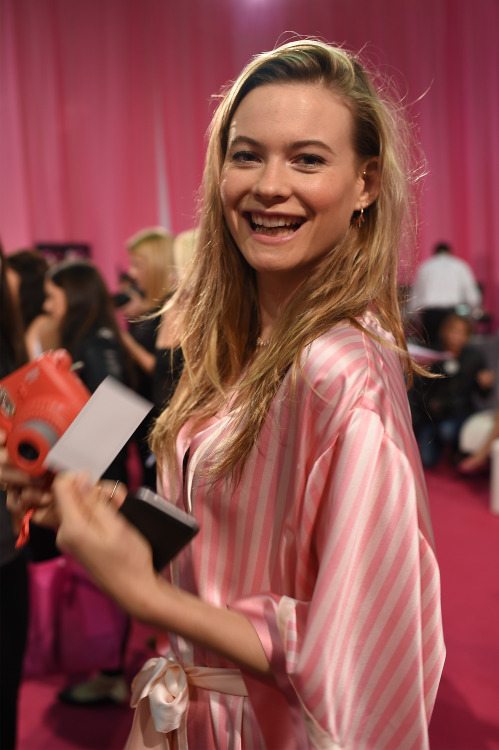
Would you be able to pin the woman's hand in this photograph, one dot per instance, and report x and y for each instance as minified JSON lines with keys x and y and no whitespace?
{"x":24,"y":492}
{"x":135,"y":307}
{"x":117,"y":557}
{"x":8,"y":473}
{"x":20,"y":500}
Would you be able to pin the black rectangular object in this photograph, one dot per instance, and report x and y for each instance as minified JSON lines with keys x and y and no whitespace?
{"x":166,"y":527}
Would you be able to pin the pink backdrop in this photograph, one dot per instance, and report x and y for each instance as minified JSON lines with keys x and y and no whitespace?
{"x":105,"y":103}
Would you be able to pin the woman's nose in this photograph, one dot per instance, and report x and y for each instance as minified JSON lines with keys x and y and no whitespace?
{"x":272,"y":181}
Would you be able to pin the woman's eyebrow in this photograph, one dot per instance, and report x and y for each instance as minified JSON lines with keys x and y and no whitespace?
{"x":312,"y":143}
{"x":306,"y":143}
{"x":238,"y":139}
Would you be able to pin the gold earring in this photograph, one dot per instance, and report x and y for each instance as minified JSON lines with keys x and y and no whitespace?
{"x":359,"y":220}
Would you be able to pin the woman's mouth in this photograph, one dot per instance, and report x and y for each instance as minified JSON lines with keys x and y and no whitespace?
{"x":274,"y":225}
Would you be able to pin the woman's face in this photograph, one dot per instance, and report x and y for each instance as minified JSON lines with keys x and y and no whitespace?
{"x":291,"y":180}
{"x":55,"y":303}
{"x":137,"y":271}
{"x":454,"y":335}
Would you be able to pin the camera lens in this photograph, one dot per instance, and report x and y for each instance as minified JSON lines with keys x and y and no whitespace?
{"x":30,"y":443}
{"x":28,"y":451}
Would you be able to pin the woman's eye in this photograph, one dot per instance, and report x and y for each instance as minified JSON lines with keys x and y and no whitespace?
{"x":244,"y":157}
{"x":310,"y":160}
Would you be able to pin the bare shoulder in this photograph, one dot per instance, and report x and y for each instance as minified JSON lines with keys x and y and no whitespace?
{"x":41,"y":335}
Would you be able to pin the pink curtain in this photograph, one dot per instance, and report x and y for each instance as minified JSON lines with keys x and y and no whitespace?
{"x":105,"y":104}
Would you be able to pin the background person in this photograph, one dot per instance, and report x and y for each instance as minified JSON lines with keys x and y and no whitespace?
{"x":482,"y":433}
{"x":440,"y":406}
{"x":14,"y":604}
{"x":442,"y":283}
{"x":26,"y":271}
{"x":184,"y":245}
{"x":78,"y":300}
{"x":306,"y":612}
{"x":151,"y":270}
{"x":169,"y":359}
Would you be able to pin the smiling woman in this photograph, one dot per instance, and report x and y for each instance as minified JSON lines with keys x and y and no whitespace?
{"x":291,"y":181}
{"x":306,"y":612}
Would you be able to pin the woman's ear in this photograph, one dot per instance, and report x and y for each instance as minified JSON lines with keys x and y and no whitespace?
{"x":370,"y":177}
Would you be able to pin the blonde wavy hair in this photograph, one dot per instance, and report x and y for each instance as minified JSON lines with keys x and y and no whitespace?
{"x":154,"y":245}
{"x":218,"y":298}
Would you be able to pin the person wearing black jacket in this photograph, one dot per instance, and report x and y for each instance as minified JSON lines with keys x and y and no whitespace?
{"x":76,"y":296}
{"x":440,"y":405}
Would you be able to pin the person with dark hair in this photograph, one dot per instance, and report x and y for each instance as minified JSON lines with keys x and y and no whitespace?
{"x":26,"y":271}
{"x":14,"y":604}
{"x":441,"y":405}
{"x":442,"y":284}
{"x":77,"y":298}
{"x":306,"y":611}
{"x":30,"y":267}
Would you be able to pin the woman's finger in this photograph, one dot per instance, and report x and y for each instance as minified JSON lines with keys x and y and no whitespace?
{"x":21,"y":499}
{"x":99,"y":537}
{"x":83,"y":512}
{"x":9,"y":474}
{"x":113,"y":492}
{"x":70,"y":491}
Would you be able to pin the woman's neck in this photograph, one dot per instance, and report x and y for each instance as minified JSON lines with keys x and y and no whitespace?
{"x":274,"y":293}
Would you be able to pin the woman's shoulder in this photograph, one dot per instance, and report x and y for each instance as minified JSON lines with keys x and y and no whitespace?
{"x":347,"y":347}
{"x":42,"y":334}
{"x":350,"y":360}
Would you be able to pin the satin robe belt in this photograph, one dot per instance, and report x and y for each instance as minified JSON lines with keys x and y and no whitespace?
{"x":166,"y":684}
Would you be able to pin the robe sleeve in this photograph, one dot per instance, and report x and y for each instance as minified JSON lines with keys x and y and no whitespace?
{"x":363,"y":657}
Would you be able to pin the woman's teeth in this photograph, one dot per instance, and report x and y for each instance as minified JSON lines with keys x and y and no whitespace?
{"x":275,"y":226}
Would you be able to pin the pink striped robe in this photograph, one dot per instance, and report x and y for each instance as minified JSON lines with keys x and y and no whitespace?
{"x":327,"y":547}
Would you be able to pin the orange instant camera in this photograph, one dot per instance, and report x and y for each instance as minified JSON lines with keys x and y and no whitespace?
{"x":38,"y":402}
